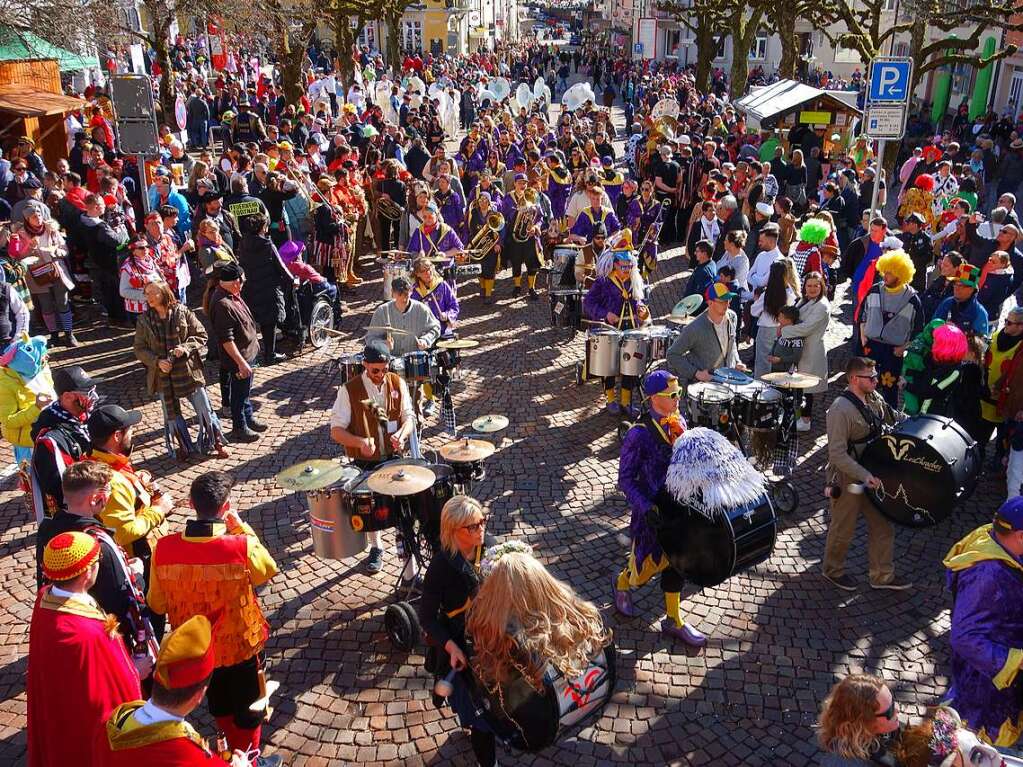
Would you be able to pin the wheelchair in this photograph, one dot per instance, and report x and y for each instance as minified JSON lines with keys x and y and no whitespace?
{"x":318,"y":314}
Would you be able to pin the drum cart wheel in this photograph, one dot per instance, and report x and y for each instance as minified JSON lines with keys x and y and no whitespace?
{"x":321,"y":320}
{"x":784,"y":496}
{"x":402,"y":625}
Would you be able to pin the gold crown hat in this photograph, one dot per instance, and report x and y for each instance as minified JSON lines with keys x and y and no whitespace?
{"x":68,"y":555}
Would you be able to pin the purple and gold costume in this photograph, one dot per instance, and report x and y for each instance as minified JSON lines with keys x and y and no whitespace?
{"x":436,"y":242}
{"x":612,"y":182}
{"x":588,"y":220}
{"x":646,"y":453}
{"x":559,"y":189}
{"x":639,"y":218}
{"x":440,"y":299}
{"x":452,"y":210}
{"x":987,"y":636}
{"x":609,"y":296}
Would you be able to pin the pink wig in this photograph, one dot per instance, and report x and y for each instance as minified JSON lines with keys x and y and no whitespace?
{"x":949,"y":345}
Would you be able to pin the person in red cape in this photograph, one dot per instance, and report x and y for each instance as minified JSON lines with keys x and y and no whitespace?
{"x":154,"y":733}
{"x":79,"y":669}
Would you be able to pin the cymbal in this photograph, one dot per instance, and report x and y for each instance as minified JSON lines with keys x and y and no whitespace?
{"x":401,"y":480}
{"x":680,"y":319}
{"x":465,"y":450}
{"x":458,"y":343}
{"x":315,"y":475}
{"x":687,"y":306}
{"x":439,"y":259}
{"x":490,"y":423}
{"x":791,"y":380}
{"x":386,"y":329}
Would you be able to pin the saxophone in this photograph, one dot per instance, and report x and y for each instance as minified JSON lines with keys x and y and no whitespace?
{"x":525,"y":215}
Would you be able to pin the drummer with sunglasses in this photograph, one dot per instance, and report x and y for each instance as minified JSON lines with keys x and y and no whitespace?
{"x":855,"y":419}
{"x":646,"y":454}
{"x":355,"y":426}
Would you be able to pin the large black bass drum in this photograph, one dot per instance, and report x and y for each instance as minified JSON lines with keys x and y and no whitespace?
{"x":926,"y":464}
{"x":531,"y":721}
{"x":710,"y":551}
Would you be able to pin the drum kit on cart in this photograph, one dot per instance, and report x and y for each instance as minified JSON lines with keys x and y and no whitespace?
{"x":421,"y":366}
{"x":404,"y":494}
{"x":398,"y":263}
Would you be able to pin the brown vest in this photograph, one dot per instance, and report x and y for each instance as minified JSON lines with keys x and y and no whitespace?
{"x":364,"y":421}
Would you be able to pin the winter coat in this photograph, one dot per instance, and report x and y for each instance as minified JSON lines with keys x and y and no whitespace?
{"x":191,"y":336}
{"x":813,"y":322}
{"x":265,"y":278}
{"x":18,"y":409}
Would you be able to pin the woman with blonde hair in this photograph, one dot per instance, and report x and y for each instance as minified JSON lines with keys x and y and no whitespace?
{"x":451,"y":582}
{"x":859,"y":723}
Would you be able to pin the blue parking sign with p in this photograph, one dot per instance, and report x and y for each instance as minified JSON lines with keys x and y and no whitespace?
{"x":889,"y":80}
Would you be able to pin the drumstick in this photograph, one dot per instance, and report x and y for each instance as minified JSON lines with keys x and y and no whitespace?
{"x":598,"y":322}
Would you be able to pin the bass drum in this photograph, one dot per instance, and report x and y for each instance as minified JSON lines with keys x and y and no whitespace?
{"x":926,"y":464}
{"x":710,"y":551}
{"x":532,"y":721}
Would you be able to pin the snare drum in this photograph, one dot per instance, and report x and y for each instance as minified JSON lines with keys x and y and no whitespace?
{"x":566,"y":307}
{"x":709,"y":404}
{"x":420,"y":366}
{"x":661,"y":339}
{"x":757,"y":406}
{"x":634,"y":355}
{"x":368,"y":510}
{"x":447,"y":359}
{"x":602,"y":352}
{"x":349,"y":366}
{"x":464,"y":473}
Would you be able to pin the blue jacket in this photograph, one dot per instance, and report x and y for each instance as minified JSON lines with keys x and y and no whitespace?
{"x":180,"y":203}
{"x":970,"y":316}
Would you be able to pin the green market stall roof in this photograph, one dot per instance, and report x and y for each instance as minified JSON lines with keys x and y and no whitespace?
{"x":24,"y":46}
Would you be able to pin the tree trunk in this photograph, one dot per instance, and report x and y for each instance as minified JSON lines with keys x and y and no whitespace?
{"x":739,"y":73}
{"x":705,"y":52}
{"x":290,"y":55}
{"x":168,"y":93}
{"x":343,"y":41}
{"x":785,"y":22}
{"x":393,"y":49}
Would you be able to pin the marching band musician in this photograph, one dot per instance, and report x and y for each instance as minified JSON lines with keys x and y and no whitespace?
{"x":212,"y":569}
{"x":549,"y":225}
{"x":611,"y":179}
{"x":421,"y":328}
{"x":488,"y":185}
{"x":507,"y":152}
{"x":414,"y":214}
{"x":585,"y":266}
{"x":391,"y":200}
{"x":855,"y":418}
{"x":355,"y":426}
{"x":434,"y":238}
{"x":559,"y":184}
{"x":646,"y":454}
{"x":521,"y":229}
{"x":477,"y":220}
{"x":642,"y":215}
{"x":616,"y":299}
{"x":440,"y":299}
{"x":596,"y":213}
{"x":348,"y":194}
{"x":451,"y":205}
{"x":332,"y":236}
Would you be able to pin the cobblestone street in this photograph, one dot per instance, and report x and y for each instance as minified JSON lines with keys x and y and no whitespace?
{"x":780,"y":635}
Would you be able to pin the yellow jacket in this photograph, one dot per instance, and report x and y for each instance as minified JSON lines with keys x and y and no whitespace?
{"x":129,"y":511}
{"x":18,"y":409}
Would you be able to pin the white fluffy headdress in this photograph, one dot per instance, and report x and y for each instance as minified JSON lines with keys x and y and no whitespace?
{"x":605,"y":263}
{"x":710,"y":474}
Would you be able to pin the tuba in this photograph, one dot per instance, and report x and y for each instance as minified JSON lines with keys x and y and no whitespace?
{"x":389,"y":209}
{"x":487,"y":237}
{"x":667,"y":126}
{"x":525,"y":216}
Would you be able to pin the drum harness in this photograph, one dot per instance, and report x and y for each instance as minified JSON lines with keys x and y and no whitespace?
{"x":875,"y":426}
